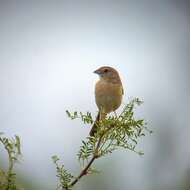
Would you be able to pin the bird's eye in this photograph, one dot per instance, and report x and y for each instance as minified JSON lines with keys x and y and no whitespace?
{"x":105,"y":70}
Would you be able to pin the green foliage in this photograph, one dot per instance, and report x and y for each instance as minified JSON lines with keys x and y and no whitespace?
{"x":86,"y":118}
{"x":12,"y":147}
{"x":62,"y":174}
{"x":115,"y":132}
{"x":87,"y":148}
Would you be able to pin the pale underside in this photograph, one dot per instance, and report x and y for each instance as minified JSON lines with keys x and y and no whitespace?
{"x":108,"y":96}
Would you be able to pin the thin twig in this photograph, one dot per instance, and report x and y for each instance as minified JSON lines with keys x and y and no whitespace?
{"x":11,"y":164}
{"x":85,"y":170}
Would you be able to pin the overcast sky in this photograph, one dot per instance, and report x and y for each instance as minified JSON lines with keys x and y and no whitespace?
{"x":48,"y":52}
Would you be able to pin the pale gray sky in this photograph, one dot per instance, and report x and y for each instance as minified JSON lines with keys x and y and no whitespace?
{"x":48,"y":52}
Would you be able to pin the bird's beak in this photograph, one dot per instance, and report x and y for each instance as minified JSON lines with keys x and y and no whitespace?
{"x":97,"y":72}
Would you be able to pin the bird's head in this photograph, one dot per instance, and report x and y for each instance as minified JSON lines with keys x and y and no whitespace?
{"x":108,"y":74}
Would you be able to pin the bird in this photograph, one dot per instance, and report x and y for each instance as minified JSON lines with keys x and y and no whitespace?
{"x":108,"y":93}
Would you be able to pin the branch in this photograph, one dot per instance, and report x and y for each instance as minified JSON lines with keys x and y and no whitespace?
{"x":85,"y":170}
{"x":121,"y":131}
{"x":12,"y":146}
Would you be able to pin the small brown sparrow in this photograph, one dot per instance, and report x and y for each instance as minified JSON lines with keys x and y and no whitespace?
{"x":108,"y":93}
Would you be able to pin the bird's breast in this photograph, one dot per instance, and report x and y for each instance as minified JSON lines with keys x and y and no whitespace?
{"x":108,"y":95}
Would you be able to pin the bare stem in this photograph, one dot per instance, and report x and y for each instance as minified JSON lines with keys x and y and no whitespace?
{"x":85,"y":170}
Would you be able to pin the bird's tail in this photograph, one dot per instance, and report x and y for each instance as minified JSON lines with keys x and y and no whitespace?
{"x":95,"y":125}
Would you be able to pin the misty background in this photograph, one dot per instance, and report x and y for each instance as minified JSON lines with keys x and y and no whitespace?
{"x":48,"y":52}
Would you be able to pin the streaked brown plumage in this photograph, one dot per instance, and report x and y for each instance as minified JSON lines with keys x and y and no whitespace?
{"x":108,"y":93}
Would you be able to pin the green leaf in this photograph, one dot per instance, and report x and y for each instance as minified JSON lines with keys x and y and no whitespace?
{"x":113,"y":133}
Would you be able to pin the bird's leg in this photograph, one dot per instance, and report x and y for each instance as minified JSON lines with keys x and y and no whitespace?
{"x":102,"y":114}
{"x":115,"y":114}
